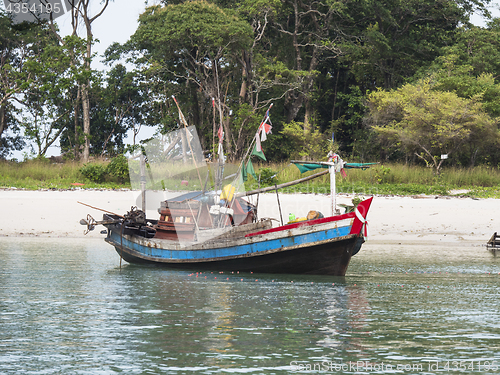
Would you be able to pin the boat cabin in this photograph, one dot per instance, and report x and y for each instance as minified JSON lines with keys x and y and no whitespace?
{"x":183,"y":216}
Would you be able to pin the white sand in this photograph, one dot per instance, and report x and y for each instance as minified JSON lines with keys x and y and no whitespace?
{"x":391,"y":219}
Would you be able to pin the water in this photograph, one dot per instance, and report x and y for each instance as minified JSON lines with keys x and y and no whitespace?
{"x":66,"y":307}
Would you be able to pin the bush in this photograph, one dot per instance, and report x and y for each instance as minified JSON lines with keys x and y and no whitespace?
{"x":93,"y":172}
{"x":311,"y":145}
{"x":267,"y":177}
{"x":118,"y":168}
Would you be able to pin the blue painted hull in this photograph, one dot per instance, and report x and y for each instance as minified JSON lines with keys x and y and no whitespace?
{"x":321,"y":250}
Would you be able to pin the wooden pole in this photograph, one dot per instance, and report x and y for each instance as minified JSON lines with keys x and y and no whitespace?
{"x":333,"y":192}
{"x":100,"y":209}
{"x":187,"y":134}
{"x":279,"y":205}
{"x":280,"y":186}
{"x":143,"y":182}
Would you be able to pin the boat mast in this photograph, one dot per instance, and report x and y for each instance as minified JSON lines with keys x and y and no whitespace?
{"x":220,"y":168}
{"x":143,"y":181}
{"x":333,"y":192}
{"x":185,"y":138}
{"x":332,"y":161}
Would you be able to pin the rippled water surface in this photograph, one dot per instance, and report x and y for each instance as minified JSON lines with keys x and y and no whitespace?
{"x":66,"y":307}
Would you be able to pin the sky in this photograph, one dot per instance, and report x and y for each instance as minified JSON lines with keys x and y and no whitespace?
{"x":117,"y":23}
{"x":494,"y":8}
{"x":120,"y":20}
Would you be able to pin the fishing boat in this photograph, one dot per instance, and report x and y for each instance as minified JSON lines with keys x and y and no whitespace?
{"x":219,"y":229}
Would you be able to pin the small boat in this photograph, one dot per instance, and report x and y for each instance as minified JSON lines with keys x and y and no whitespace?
{"x":322,"y":246}
{"x":219,"y":230}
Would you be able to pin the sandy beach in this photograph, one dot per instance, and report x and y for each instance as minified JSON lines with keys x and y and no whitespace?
{"x":422,"y":219}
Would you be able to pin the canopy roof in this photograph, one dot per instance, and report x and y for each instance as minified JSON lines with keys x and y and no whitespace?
{"x":305,"y":166}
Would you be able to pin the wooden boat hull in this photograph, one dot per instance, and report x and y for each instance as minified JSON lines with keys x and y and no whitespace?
{"x":328,"y":258}
{"x":317,"y":247}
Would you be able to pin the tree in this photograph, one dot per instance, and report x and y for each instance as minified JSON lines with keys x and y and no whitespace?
{"x":311,"y":28}
{"x":194,"y":47}
{"x":49,"y":99}
{"x":119,"y":108}
{"x":428,"y":122}
{"x":15,"y":50}
{"x":391,"y":40}
{"x":384,"y":45}
{"x":80,"y":13}
{"x":471,"y":67}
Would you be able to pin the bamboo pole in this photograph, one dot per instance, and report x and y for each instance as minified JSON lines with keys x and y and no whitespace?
{"x":286,"y":184}
{"x":100,"y":209}
{"x":183,"y":120}
{"x":143,"y":182}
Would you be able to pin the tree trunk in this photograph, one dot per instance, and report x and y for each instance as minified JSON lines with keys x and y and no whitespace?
{"x":86,"y":121}
{"x":473,"y":157}
{"x":195,"y":107}
{"x":228,"y":137}
{"x":77,"y":114}
{"x":245,"y":76}
{"x":80,"y":10}
{"x":308,"y":117}
{"x":293,"y":101}
{"x":293,"y":104}
{"x":3,"y":116}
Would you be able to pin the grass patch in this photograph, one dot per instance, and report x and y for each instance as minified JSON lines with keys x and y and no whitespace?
{"x":42,"y":174}
{"x":396,"y":179}
{"x":388,"y":179}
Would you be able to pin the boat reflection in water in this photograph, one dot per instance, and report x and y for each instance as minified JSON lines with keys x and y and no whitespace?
{"x":228,"y":319}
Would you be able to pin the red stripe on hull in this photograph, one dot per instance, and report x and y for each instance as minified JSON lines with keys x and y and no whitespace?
{"x":304,"y":224}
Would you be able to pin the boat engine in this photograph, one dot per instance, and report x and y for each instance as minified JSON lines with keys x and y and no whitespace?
{"x":135,"y":216}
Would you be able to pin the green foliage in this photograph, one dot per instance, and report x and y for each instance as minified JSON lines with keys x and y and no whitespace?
{"x":305,"y":145}
{"x":118,"y":168}
{"x":348,"y":128}
{"x":451,"y":73}
{"x":314,"y":60}
{"x":356,"y":200}
{"x":384,"y":60}
{"x":382,"y":173}
{"x":429,"y":123}
{"x":350,"y":208}
{"x":268,"y":176}
{"x":193,"y":24}
{"x":93,"y":172}
{"x":37,"y":174}
{"x":481,"y":182}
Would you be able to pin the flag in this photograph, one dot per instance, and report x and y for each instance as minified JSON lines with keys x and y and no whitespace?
{"x":244,"y":176}
{"x":250,"y":170}
{"x":257,"y":150}
{"x":264,"y":129}
{"x":220,"y":133}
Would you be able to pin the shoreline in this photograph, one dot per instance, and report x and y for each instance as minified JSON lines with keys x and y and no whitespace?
{"x":424,"y":220}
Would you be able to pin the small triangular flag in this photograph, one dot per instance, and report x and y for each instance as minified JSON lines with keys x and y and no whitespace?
{"x":257,"y":150}
{"x":250,"y":170}
{"x":244,"y":176}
